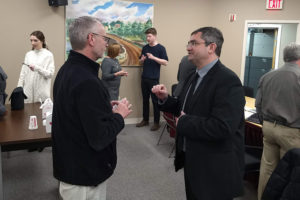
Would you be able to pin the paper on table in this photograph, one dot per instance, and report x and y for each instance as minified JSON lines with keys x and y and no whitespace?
{"x":247,"y":114}
{"x":252,"y":110}
{"x":249,"y":111}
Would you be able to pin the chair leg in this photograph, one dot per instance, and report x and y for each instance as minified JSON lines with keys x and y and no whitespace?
{"x":173,"y":148}
{"x":162,"y":132}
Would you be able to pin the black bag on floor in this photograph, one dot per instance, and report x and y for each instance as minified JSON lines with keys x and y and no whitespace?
{"x":17,"y":99}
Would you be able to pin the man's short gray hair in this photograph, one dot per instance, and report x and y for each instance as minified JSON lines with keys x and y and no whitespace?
{"x":79,"y":30}
{"x":291,"y":52}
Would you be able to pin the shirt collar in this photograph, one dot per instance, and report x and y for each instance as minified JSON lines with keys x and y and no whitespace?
{"x":292,"y":64}
{"x":85,"y":60}
{"x":203,"y":71}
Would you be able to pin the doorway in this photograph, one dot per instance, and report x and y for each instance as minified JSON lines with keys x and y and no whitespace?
{"x":263,"y":46}
{"x":263,"y":42}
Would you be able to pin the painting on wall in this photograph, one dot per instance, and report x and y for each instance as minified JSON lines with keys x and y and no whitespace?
{"x":125,"y":23}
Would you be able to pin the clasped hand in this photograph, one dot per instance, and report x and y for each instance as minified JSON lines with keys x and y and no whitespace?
{"x":122,"y":107}
{"x":121,"y":73}
{"x":160,"y":91}
{"x":150,"y":56}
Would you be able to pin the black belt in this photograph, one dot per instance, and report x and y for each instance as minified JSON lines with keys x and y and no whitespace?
{"x":276,"y":122}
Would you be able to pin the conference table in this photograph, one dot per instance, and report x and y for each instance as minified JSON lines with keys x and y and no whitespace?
{"x":15,"y":135}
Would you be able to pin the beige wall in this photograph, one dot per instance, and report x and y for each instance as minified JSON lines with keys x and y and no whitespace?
{"x":17,"y":20}
{"x":288,"y":35}
{"x":174,"y":20}
{"x":234,"y":31}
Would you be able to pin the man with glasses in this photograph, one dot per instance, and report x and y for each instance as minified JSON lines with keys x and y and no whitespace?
{"x":85,"y":122}
{"x":105,"y":38}
{"x":152,"y":57}
{"x":210,"y":126}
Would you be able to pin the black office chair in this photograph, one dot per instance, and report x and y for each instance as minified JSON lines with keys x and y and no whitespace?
{"x":253,"y":152}
{"x":252,"y":158}
{"x":173,"y":88}
{"x":248,"y":91}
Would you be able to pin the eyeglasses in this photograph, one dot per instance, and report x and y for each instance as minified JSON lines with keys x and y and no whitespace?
{"x":105,"y":38}
{"x":194,"y":43}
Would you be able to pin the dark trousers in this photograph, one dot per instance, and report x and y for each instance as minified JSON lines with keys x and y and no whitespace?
{"x":189,"y":193}
{"x":188,"y":189}
{"x":147,"y":85}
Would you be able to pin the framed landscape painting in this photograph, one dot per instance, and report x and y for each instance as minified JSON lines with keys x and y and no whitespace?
{"x":125,"y":23}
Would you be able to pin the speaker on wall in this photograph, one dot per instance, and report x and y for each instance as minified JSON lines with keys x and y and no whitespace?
{"x":58,"y":2}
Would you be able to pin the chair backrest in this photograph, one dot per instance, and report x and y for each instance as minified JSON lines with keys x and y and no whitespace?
{"x":173,"y":88}
{"x":253,"y":147}
{"x":171,"y":122}
{"x":249,"y":92}
{"x":253,"y":135}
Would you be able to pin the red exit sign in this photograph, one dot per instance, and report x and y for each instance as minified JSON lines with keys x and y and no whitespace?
{"x":274,"y":4}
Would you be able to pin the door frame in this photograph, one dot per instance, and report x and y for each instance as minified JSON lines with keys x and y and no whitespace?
{"x":273,"y":22}
{"x":278,"y":37}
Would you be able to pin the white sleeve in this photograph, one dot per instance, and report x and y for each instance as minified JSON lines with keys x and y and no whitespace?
{"x":22,"y":73}
{"x":47,"y":70}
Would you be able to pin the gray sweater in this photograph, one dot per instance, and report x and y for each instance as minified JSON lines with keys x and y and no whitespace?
{"x":109,"y":66}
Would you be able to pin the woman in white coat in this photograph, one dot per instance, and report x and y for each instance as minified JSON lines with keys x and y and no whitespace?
{"x":37,"y":70}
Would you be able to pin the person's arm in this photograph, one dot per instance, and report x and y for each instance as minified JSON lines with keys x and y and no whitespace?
{"x":99,"y":123}
{"x":258,"y":102}
{"x":179,"y":71}
{"x":158,"y":60}
{"x":226,"y":115}
{"x":23,"y":73}
{"x":165,"y":101}
{"x":47,"y":70}
{"x":162,"y":59}
{"x":2,"y":109}
{"x":106,"y":67}
{"x":142,"y":59}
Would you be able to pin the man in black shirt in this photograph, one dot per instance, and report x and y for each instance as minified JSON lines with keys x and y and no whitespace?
{"x":153,"y":56}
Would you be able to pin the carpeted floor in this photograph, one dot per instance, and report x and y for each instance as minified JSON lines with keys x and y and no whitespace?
{"x":144,"y":171}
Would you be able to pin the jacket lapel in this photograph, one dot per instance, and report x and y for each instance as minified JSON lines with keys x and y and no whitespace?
{"x":185,"y":88}
{"x":201,"y":90}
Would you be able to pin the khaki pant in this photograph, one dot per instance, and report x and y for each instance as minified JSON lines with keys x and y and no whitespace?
{"x":277,"y":140}
{"x":72,"y":192}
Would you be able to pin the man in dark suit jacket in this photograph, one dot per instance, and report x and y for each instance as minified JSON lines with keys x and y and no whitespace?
{"x":210,"y":127}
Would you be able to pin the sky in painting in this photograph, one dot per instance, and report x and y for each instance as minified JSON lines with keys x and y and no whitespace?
{"x":111,"y":10}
